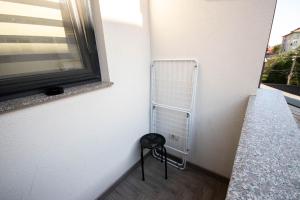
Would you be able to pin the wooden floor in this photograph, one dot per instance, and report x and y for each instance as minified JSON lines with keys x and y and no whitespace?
{"x":190,"y":184}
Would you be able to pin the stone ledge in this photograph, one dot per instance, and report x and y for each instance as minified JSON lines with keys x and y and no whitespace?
{"x":23,"y":102}
{"x":267,"y":162}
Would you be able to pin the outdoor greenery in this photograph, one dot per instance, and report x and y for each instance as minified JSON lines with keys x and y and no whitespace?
{"x":277,"y":48}
{"x":278,"y":67}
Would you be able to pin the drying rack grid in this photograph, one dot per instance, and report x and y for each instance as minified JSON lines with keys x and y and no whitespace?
{"x":173,"y":87}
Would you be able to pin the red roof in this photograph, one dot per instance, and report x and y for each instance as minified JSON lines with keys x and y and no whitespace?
{"x":270,"y":50}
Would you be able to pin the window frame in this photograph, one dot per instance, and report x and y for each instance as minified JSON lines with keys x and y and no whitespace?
{"x":13,"y":87}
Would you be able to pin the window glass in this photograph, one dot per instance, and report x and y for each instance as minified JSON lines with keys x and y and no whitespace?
{"x":46,"y":44}
{"x":37,"y":37}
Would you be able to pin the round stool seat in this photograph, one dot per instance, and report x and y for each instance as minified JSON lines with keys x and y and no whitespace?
{"x":152,"y":140}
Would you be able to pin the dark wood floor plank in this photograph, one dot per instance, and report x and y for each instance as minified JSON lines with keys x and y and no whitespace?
{"x":189,"y":184}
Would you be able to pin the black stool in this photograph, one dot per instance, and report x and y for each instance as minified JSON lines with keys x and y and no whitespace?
{"x":153,"y":141}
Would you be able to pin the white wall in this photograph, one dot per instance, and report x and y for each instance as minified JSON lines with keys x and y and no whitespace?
{"x":228,"y":38}
{"x":75,"y":148}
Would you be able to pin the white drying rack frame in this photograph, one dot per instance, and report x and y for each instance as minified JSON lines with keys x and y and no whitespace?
{"x":180,"y":163}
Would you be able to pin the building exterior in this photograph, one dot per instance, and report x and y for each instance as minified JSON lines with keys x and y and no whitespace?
{"x":291,"y":41}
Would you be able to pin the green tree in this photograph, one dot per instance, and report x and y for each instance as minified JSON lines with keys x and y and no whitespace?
{"x":277,"y":49}
{"x":278,"y":67}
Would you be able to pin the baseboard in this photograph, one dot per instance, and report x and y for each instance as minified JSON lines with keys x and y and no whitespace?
{"x":205,"y":171}
{"x":209,"y":173}
{"x":123,"y":177}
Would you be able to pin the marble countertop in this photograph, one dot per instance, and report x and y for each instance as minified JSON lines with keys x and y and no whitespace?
{"x":267,"y":162}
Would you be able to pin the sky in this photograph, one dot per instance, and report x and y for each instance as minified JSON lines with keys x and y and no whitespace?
{"x":287,"y":18}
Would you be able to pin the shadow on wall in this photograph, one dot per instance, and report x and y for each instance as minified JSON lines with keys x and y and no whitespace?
{"x":125,"y":24}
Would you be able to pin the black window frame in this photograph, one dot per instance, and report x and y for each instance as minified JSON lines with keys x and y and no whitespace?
{"x":13,"y":87}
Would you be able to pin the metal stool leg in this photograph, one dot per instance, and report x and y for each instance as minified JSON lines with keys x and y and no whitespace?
{"x":161,"y":154}
{"x":166,"y":172}
{"x":142,"y":163}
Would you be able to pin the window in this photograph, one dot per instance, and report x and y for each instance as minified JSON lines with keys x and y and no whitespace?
{"x":294,"y":44}
{"x":44,"y":44}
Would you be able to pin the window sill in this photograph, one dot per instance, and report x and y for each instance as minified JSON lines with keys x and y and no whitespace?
{"x":23,"y":102}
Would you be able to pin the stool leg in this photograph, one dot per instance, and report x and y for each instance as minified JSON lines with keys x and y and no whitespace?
{"x":166,"y":172}
{"x":142,"y":163}
{"x":161,"y":154}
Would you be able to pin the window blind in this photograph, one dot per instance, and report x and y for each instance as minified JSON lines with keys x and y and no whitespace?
{"x":37,"y":36}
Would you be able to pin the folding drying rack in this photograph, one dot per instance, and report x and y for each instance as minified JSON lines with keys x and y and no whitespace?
{"x":173,"y":91}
